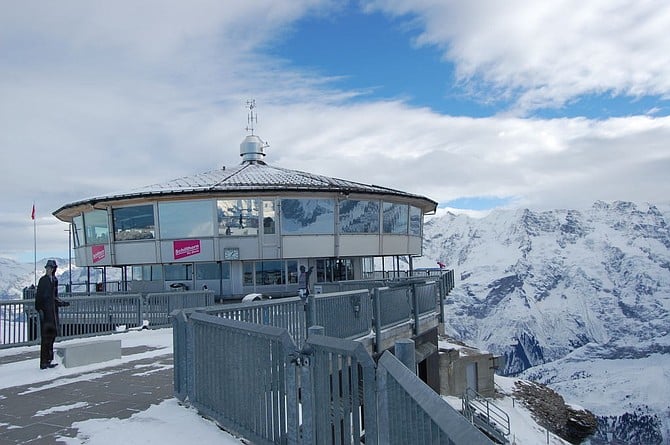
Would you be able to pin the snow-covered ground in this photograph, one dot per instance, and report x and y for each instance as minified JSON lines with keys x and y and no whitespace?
{"x":166,"y":423}
{"x":169,"y":423}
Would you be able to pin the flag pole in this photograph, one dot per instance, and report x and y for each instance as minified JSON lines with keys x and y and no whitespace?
{"x":34,"y":243}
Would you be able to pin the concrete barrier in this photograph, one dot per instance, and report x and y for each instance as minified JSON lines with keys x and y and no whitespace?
{"x":80,"y":354}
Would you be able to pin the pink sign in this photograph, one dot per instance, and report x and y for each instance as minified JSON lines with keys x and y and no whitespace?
{"x":98,"y":253}
{"x":185,"y":248}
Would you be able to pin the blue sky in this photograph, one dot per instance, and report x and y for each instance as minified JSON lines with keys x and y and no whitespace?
{"x":375,"y":54}
{"x":378,"y":55}
{"x":477,"y":105}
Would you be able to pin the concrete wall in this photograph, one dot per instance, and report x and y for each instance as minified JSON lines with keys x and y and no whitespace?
{"x":454,"y":368}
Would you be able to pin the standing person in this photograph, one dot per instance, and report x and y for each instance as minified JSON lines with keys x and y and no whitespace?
{"x":303,"y":281}
{"x":47,"y":303}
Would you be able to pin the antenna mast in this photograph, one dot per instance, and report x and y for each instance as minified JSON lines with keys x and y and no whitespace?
{"x":251,"y":117}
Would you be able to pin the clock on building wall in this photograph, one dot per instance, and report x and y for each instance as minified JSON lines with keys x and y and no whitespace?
{"x":230,"y":254}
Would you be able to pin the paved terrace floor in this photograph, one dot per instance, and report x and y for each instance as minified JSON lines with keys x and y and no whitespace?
{"x":45,"y":409}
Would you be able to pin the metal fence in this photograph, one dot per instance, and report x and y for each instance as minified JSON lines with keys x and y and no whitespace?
{"x":254,"y":381}
{"x":414,"y":414}
{"x":240,"y":375}
{"x":287,"y":313}
{"x":347,"y":314}
{"x":96,"y":314}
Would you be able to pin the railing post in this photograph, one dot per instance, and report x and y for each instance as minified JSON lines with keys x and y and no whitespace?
{"x":442,"y":291}
{"x":383,"y":431}
{"x":377,"y":319}
{"x":305,"y":363}
{"x":404,"y":351}
{"x":315,"y":330}
{"x":415,"y":308}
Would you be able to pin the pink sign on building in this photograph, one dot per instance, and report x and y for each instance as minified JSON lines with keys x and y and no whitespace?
{"x":185,"y":248}
{"x":98,"y":253}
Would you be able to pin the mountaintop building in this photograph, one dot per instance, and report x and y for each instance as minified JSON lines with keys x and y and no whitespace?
{"x":245,"y":229}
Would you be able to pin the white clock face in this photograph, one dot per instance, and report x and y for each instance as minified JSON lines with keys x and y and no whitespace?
{"x":231,"y":254}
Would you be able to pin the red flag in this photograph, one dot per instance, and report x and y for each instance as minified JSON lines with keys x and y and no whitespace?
{"x":32,"y":215}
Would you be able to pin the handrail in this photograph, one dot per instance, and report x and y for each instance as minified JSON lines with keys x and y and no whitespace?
{"x":496,"y":420}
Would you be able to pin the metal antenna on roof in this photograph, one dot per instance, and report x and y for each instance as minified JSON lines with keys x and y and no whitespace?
{"x":251,"y":118}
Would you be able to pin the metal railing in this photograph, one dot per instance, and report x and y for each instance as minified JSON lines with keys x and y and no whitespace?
{"x":415,"y":414}
{"x":330,"y":391}
{"x":287,"y":313}
{"x":96,"y":314}
{"x":238,"y":374}
{"x":486,"y":415}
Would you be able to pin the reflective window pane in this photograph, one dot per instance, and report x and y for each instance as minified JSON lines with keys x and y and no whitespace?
{"x":359,"y":216}
{"x":395,"y":218}
{"x":292,"y":268}
{"x":177,"y":272}
{"x":96,"y":227}
{"x":78,"y":231}
{"x":269,"y":272}
{"x":269,"y":221}
{"x":308,"y":216}
{"x":248,"y":273}
{"x":237,"y":217}
{"x":185,"y":219}
{"x":134,"y":223}
{"x":207,"y":271}
{"x":415,"y":218}
{"x":150,"y":272}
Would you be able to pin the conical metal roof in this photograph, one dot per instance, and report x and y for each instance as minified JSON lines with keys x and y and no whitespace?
{"x":252,"y":176}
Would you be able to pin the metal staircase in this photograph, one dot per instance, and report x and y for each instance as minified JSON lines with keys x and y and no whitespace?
{"x":485,"y":415}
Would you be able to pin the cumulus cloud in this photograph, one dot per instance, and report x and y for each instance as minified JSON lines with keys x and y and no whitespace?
{"x":545,"y":54}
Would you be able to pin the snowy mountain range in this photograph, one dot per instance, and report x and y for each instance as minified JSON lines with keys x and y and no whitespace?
{"x":577,"y":300}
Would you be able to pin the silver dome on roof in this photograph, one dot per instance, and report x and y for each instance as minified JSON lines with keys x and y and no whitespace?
{"x":251,"y":149}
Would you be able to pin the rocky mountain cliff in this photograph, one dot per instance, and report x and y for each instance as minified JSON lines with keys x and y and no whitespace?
{"x":576,"y":299}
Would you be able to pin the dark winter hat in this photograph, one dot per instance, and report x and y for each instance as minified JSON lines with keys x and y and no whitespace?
{"x":51,"y":263}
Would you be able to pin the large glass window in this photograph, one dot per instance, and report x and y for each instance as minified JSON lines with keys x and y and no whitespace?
{"x":150,"y":272}
{"x":185,"y":219}
{"x":269,"y":221}
{"x":359,"y":216}
{"x":267,"y":273}
{"x":134,"y":223}
{"x":178,"y":272}
{"x":307,"y":216}
{"x":248,"y":273}
{"x":270,"y":272}
{"x":207,"y":271}
{"x":237,"y":217}
{"x":96,"y":227}
{"x":78,"y":231}
{"x":292,"y":269}
{"x":415,"y":217}
{"x":395,"y":218}
{"x":334,"y":269}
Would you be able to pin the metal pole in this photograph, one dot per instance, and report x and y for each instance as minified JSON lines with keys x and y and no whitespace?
{"x":35,"y":243}
{"x":69,"y":251}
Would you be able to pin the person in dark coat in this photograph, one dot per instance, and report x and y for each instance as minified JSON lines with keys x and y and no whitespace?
{"x":47,"y":304}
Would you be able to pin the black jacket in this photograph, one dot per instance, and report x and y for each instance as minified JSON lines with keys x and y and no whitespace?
{"x":47,"y":303}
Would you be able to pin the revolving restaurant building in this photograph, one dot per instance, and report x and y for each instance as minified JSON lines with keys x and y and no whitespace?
{"x":245,"y":229}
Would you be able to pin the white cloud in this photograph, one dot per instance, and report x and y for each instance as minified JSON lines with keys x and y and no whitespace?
{"x":544,"y":54}
{"x":122,"y":95}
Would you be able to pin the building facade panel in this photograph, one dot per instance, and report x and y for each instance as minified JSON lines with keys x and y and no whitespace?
{"x":136,"y":252}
